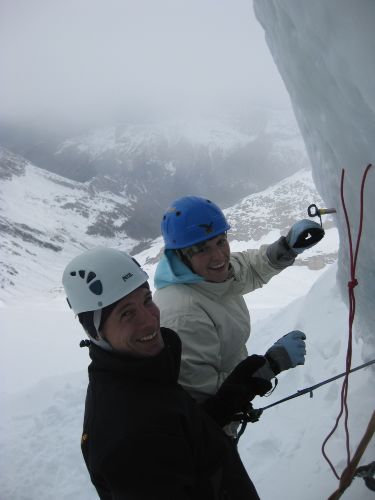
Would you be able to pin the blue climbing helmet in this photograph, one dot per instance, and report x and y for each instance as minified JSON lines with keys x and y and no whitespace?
{"x":191,"y":220}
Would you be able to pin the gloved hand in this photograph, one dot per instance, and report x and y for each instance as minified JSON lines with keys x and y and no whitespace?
{"x":238,"y":389}
{"x":304,"y":234}
{"x":287,"y":352}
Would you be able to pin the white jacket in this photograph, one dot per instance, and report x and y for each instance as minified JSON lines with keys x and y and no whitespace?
{"x":212,"y":319}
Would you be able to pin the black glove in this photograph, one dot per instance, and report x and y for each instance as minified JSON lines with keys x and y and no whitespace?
{"x":238,"y":389}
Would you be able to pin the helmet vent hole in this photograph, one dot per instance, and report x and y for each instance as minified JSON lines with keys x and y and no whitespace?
{"x":90,"y":276}
{"x":96,"y":287}
{"x":178,"y":213}
{"x":73,"y":273}
{"x":82,"y":273}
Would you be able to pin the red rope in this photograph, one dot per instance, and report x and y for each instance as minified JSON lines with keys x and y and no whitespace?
{"x":352,"y":304}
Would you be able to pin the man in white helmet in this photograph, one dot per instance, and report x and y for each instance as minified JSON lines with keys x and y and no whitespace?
{"x":143,"y":436}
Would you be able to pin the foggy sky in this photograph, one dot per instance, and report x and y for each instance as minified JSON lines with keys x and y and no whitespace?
{"x":81,"y":60}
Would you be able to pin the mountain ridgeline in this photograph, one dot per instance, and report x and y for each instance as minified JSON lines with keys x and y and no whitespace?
{"x":148,"y":165}
{"x":46,"y":219}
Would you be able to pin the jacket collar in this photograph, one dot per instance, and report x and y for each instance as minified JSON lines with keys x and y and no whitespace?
{"x":171,"y":271}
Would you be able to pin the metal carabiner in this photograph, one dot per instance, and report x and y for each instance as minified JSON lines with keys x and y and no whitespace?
{"x":314,"y":211}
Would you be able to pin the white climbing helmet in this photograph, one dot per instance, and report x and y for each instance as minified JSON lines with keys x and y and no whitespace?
{"x":99,"y":277}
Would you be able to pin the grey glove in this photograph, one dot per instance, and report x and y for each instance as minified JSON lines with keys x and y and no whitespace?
{"x":287,"y":352}
{"x":280,"y":254}
{"x":304,"y":234}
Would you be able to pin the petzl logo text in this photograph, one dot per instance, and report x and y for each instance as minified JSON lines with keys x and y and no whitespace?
{"x":127,"y":276}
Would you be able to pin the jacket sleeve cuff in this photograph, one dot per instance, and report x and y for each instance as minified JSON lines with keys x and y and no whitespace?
{"x":265,"y":371}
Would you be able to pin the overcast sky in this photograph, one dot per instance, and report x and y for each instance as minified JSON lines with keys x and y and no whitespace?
{"x":68,"y":60}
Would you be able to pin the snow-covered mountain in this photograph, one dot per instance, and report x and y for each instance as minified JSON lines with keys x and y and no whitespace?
{"x":46,"y":219}
{"x":215,"y":157}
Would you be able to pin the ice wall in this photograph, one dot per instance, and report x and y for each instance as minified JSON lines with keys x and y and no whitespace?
{"x":325,"y":54}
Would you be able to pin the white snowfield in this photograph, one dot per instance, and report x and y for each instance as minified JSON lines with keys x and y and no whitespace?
{"x":44,"y":372}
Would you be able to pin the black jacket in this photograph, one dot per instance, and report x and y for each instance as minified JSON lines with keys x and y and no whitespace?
{"x":144,"y":437}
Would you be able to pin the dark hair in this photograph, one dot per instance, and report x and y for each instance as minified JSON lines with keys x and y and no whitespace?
{"x":87,"y":321}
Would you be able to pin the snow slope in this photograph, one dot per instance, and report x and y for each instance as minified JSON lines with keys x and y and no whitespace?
{"x":43,"y":371}
{"x":282,"y":451}
{"x":40,"y":427}
{"x":45,"y":220}
{"x":324,"y":51}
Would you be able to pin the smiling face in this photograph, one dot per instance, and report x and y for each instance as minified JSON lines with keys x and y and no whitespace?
{"x":211,"y":259}
{"x":133,"y":326}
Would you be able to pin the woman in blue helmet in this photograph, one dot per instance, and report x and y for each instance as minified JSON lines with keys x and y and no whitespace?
{"x":200,"y":286}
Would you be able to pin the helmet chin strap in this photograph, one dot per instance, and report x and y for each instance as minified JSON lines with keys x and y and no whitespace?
{"x":101,"y":342}
{"x":96,"y":319}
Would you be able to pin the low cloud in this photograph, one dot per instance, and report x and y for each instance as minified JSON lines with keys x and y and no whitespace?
{"x":77,"y":61}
